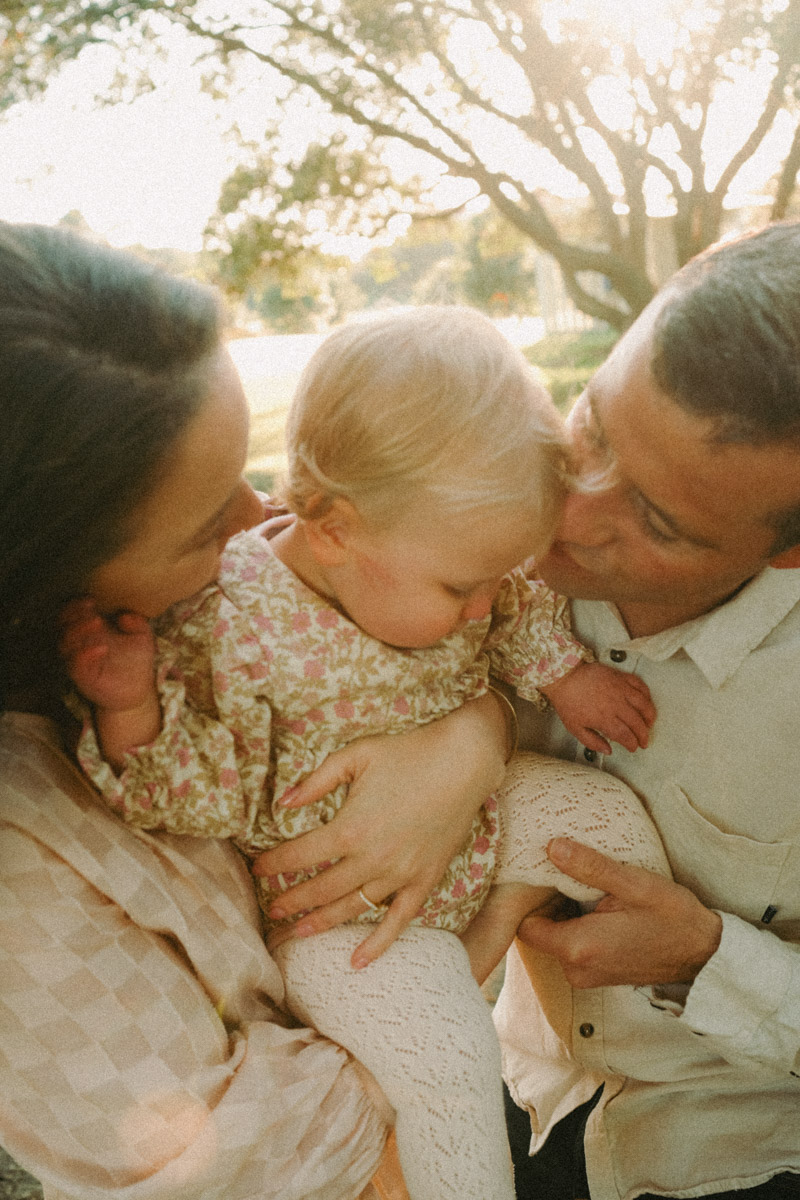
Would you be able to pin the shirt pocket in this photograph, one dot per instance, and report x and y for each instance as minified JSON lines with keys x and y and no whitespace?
{"x":726,"y":871}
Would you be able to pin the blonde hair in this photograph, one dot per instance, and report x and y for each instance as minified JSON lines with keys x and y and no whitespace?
{"x":432,"y":405}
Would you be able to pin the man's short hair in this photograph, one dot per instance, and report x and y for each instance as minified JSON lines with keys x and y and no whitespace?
{"x":726,"y":344}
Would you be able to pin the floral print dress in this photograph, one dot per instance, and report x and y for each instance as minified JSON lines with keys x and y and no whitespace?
{"x":261,"y":678}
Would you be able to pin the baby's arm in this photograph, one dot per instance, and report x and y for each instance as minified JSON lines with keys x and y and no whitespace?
{"x":153,"y":753}
{"x":598,"y":705}
{"x":112,"y":663}
{"x":531,"y":646}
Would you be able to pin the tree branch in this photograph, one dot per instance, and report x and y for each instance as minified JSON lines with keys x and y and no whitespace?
{"x":787,"y":178}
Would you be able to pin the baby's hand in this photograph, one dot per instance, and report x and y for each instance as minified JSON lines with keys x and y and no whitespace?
{"x":599,"y":705}
{"x":110,"y":660}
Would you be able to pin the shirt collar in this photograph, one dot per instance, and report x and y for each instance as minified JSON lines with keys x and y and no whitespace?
{"x":720,"y":641}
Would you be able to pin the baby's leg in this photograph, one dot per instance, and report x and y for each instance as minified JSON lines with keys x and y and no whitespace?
{"x":543,"y":798}
{"x":416,"y":1018}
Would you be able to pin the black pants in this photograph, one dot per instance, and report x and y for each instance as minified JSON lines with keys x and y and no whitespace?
{"x":558,"y":1171}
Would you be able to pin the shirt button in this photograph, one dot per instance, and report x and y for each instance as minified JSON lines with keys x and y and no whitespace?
{"x":617,"y":656}
{"x":586,"y":1030}
{"x":589,"y":755}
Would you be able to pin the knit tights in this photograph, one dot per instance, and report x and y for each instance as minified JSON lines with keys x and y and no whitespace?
{"x":416,"y":1017}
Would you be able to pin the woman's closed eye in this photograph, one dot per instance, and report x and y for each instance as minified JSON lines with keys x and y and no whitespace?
{"x":209,"y":536}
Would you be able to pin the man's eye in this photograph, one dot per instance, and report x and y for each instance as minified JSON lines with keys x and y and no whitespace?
{"x":458,"y":593}
{"x":656,"y":528}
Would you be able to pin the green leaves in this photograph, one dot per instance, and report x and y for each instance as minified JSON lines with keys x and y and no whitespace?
{"x":512,"y":99}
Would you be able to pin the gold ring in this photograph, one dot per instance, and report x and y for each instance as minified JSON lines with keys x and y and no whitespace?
{"x":369,"y":903}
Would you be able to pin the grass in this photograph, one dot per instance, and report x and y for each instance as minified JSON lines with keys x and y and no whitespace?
{"x":265,"y":458}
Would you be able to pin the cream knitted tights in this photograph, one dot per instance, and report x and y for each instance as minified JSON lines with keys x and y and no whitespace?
{"x":418,"y":1020}
{"x":543,"y":798}
{"x":416,"y":1017}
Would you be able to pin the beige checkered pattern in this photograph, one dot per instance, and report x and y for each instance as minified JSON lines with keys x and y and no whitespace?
{"x":141,"y":1055}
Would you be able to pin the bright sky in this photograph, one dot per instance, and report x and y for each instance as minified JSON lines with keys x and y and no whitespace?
{"x":150,"y":171}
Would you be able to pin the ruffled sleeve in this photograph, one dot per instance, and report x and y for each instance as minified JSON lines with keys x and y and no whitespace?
{"x":206,"y":771}
{"x":530,"y":643}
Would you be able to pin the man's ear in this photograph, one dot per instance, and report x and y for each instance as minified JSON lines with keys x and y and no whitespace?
{"x":330,"y":537}
{"x":786,"y":559}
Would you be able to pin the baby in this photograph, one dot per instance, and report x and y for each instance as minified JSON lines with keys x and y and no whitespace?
{"x":425,"y":464}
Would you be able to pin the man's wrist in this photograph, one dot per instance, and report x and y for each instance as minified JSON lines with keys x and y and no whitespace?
{"x":708,"y":934}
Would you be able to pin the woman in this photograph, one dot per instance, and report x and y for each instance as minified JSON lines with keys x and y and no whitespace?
{"x":142,"y":1051}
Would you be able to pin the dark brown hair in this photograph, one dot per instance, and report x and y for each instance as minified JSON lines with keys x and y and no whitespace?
{"x":102,"y":365}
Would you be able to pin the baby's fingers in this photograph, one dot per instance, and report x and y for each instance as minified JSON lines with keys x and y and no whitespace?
{"x":638,"y":696}
{"x":627,"y":728}
{"x":131,"y":623}
{"x":645,"y":707}
{"x":630,"y":729}
{"x":593,"y":740}
{"x":84,"y":634}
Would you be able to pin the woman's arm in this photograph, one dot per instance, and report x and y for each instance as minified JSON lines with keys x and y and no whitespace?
{"x":139,"y":1053}
{"x":412,"y":800}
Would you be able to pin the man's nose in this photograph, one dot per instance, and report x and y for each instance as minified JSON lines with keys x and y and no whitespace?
{"x":587,"y":519}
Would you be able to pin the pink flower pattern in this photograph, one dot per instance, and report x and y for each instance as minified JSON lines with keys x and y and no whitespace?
{"x":260,"y":679}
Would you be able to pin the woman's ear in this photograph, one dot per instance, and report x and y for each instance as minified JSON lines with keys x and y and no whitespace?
{"x":330,"y":537}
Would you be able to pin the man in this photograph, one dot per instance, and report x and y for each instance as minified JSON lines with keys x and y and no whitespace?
{"x":658,"y":1050}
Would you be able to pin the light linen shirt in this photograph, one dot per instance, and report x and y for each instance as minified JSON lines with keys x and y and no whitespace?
{"x":702,"y":1085}
{"x":142,"y":1054}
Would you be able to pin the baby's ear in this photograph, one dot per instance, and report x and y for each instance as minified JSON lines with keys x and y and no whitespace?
{"x":330,"y":537}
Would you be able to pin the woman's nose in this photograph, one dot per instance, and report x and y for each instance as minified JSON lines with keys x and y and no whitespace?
{"x":246,"y":511}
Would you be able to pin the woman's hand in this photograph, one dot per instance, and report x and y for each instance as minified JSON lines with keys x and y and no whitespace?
{"x":412,"y":799}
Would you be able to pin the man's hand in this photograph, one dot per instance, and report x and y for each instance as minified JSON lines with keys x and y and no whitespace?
{"x":645,"y":930}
